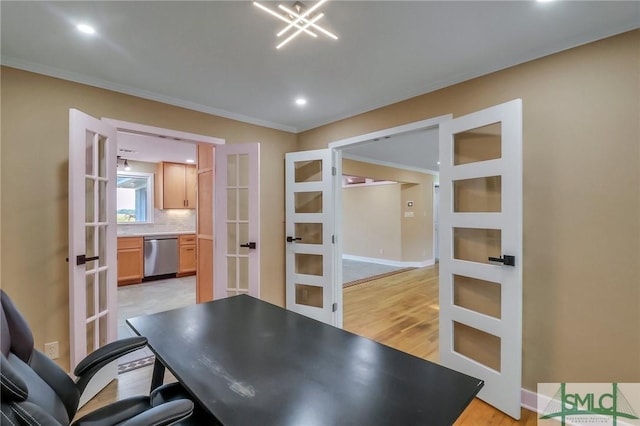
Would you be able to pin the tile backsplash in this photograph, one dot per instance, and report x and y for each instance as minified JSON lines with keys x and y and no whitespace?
{"x":169,"y":220}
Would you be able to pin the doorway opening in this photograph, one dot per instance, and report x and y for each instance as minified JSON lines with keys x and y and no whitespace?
{"x":405,"y":304}
{"x":165,"y":235}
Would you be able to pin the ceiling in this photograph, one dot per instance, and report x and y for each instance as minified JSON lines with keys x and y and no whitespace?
{"x":152,"y":149}
{"x":220,"y":57}
{"x":416,"y":150}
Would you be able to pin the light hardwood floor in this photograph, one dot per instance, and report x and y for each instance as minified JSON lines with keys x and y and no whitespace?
{"x":400,"y":311}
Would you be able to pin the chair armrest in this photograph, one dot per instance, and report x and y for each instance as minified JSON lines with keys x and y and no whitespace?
{"x":26,"y":413}
{"x":102,"y":356}
{"x":161,"y":415}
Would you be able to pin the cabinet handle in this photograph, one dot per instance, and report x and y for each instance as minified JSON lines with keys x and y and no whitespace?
{"x":190,"y":249}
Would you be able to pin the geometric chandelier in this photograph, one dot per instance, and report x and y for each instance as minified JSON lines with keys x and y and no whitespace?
{"x":299,"y":20}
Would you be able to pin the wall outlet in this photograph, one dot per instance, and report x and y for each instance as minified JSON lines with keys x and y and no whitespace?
{"x":52,"y":350}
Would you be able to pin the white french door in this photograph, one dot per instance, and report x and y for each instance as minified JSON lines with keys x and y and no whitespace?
{"x":237,"y":220}
{"x":310,"y":235}
{"x":92,"y":242}
{"x":481,"y":250}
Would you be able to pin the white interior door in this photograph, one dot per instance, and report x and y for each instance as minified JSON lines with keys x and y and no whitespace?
{"x":237,"y":220}
{"x":310,"y":235}
{"x":92,"y":241}
{"x":481,"y":251}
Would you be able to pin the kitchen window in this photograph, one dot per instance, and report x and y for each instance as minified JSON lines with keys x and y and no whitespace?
{"x":135,"y":197}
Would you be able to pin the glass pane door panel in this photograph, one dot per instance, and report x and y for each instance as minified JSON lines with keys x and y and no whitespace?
{"x":232,"y":272}
{"x":102,"y":290}
{"x":308,"y":202}
{"x":90,"y":285}
{"x":243,"y":169}
{"x":477,"y":345}
{"x":232,"y":170}
{"x":243,"y":204}
{"x":233,"y":245}
{"x":243,"y":276}
{"x":310,"y":233}
{"x":309,"y":264}
{"x":476,"y":245}
{"x":102,"y":201}
{"x":480,"y":144}
{"x":90,"y":241}
{"x":477,"y":295}
{"x":232,"y":204}
{"x":102,"y":245}
{"x":308,"y":171}
{"x":89,"y":200}
{"x":91,"y":330}
{"x":478,"y":195}
{"x":89,"y":153}
{"x":309,"y":295}
{"x":102,"y":158}
{"x":102,"y":330}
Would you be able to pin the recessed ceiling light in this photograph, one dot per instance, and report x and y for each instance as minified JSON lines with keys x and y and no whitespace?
{"x":301,"y":101}
{"x":87,"y":29}
{"x":189,"y":160}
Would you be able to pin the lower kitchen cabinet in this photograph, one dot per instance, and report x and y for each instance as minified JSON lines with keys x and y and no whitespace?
{"x":186,"y":255}
{"x":130,"y":260}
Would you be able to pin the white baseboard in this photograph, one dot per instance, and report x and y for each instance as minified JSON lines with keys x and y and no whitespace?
{"x":529,"y":400}
{"x":398,"y":263}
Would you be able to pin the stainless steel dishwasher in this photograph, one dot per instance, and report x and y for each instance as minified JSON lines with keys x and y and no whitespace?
{"x":160,"y":255}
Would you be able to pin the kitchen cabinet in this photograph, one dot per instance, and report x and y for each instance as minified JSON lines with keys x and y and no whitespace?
{"x":186,"y":255}
{"x":130,"y":260}
{"x":175,"y":186}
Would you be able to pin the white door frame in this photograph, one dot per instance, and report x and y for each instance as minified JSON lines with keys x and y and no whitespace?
{"x":125,"y":126}
{"x":336,"y":148}
{"x":131,"y":127}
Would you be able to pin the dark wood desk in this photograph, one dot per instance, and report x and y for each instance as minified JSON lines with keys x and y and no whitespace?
{"x":249,"y":362}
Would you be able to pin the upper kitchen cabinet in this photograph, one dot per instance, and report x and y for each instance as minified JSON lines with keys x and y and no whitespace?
{"x":176,"y":186}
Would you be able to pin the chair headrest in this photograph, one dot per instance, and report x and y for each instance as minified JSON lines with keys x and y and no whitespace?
{"x":12,"y":386}
{"x":16,"y":334}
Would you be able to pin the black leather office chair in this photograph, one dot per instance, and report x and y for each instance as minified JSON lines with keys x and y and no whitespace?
{"x":36,"y":391}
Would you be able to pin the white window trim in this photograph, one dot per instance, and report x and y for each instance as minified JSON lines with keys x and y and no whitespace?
{"x":150,"y":196}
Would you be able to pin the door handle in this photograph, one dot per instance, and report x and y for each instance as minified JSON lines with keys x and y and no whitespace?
{"x":505,"y":260}
{"x":82,"y":259}
{"x":292,"y":239}
{"x":249,"y":245}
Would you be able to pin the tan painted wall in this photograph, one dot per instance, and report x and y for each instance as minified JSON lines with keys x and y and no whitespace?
{"x":417,"y":231}
{"x":35,"y":120}
{"x":581,"y":201}
{"x":581,"y":196}
{"x":371,"y":221}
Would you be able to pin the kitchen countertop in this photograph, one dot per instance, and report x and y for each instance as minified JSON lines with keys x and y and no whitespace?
{"x":149,"y":234}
